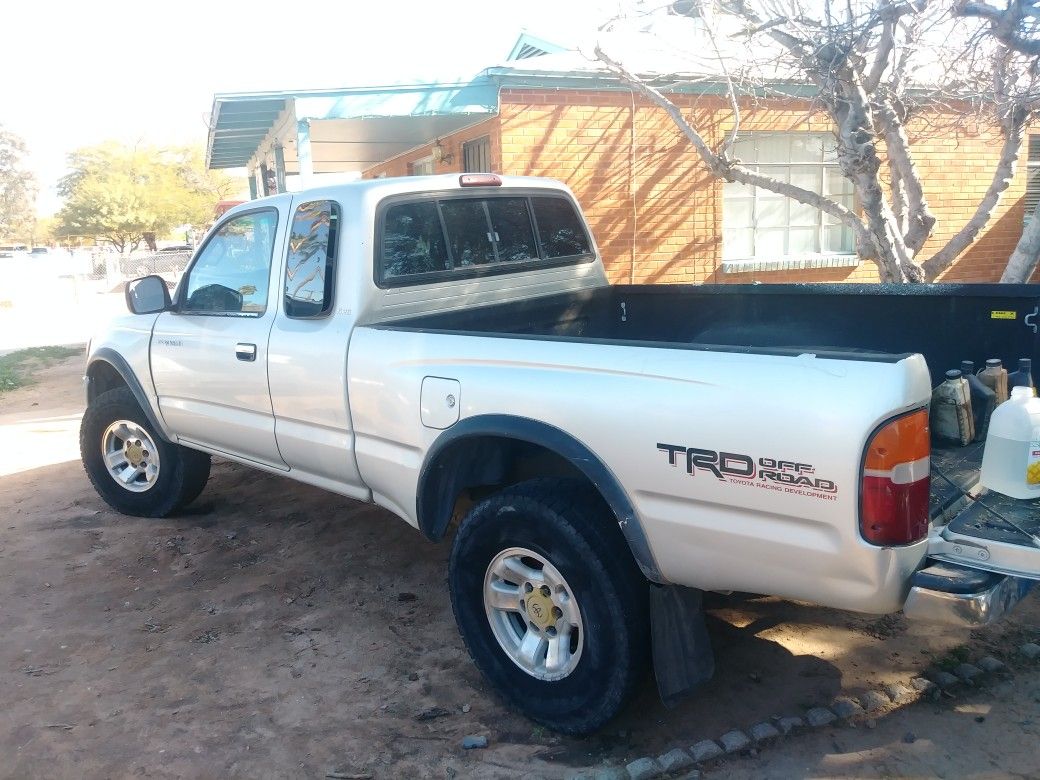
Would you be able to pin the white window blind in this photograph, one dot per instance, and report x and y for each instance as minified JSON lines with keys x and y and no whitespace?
{"x":1032,"y":176}
{"x":758,"y":224}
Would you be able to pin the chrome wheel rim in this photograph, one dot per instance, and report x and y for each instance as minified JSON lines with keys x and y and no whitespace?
{"x":130,"y":456}
{"x":533,"y":614}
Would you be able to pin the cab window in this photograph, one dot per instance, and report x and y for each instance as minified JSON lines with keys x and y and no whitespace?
{"x":232,"y":272}
{"x":310,"y":268}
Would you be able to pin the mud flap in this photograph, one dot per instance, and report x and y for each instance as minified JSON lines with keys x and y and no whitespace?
{"x":683,"y":658}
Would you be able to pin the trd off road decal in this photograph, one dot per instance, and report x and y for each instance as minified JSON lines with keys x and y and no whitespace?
{"x":786,"y":476}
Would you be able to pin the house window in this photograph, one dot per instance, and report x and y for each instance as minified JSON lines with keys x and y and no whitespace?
{"x":423,"y":167}
{"x":1032,"y":177}
{"x":760,"y":225}
{"x":476,"y":155}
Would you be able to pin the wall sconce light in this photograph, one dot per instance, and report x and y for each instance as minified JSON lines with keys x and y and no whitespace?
{"x":440,"y":155}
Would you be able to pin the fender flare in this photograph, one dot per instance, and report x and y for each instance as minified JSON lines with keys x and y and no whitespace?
{"x":118,"y":362}
{"x":434,"y":504}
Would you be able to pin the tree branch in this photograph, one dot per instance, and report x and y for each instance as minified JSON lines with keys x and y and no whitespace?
{"x":720,"y":165}
{"x":1002,"y":175}
{"x":1003,"y":23}
{"x":919,"y":217}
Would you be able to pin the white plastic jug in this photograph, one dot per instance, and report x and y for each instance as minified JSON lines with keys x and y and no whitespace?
{"x":1011,"y":461}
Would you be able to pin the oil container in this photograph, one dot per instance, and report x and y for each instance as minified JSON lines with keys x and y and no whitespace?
{"x":995,"y":377}
{"x":952,"y":418}
{"x":983,"y":399}
{"x":1011,"y":461}
{"x":1023,"y":377}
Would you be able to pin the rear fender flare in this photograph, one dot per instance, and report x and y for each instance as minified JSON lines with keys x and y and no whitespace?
{"x":439,"y":485}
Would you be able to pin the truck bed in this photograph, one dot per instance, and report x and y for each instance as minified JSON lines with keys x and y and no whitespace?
{"x":945,"y":323}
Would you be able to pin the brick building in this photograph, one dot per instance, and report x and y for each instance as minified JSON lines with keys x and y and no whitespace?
{"x":657,"y":214}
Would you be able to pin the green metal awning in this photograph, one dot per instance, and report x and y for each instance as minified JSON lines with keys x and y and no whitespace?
{"x":376,"y":123}
{"x":238,"y":125}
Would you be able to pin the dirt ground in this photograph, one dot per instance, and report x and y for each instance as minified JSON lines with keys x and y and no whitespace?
{"x":275,"y":630}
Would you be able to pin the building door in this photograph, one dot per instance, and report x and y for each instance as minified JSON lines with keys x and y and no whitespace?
{"x":476,"y":155}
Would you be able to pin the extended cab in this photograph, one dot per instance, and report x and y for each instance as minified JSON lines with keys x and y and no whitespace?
{"x":449,"y":348}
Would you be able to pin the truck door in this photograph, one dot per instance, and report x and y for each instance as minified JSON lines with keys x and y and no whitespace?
{"x":307,"y":365}
{"x":209,"y":354}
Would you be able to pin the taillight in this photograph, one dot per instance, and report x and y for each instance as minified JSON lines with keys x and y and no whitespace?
{"x":896,"y":481}
{"x":480,"y":180}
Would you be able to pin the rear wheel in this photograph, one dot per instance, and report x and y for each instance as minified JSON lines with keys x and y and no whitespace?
{"x":131,"y":467}
{"x":550,"y":603}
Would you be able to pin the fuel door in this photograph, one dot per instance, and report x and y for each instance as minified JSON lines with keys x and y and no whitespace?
{"x":439,"y":402}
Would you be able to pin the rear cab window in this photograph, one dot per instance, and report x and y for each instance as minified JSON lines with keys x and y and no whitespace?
{"x":432,"y":237}
{"x":310,"y":268}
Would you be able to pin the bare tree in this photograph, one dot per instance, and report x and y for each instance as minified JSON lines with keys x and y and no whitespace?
{"x":1016,"y":26}
{"x":874,"y":66}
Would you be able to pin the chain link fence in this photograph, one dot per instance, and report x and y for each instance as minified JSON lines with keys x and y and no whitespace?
{"x":167,"y":264}
{"x":62,"y":296}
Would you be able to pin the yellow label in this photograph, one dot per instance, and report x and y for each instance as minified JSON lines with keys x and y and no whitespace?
{"x":1003,"y":315}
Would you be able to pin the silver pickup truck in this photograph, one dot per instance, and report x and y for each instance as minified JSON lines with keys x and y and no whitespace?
{"x":449,"y":348}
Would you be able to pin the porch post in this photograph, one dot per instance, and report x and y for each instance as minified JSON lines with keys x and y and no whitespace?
{"x":279,"y":166}
{"x":252,"y":184}
{"x":303,"y":151}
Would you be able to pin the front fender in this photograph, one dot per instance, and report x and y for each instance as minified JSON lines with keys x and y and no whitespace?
{"x":116,"y":362}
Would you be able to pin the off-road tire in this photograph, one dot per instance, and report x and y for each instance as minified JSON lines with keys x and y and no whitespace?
{"x":182,"y":474}
{"x":569,"y":524}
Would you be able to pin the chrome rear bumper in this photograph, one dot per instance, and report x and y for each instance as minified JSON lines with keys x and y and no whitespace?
{"x":967,"y":609}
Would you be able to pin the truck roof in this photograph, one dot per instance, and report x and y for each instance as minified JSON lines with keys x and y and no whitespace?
{"x":402,"y":185}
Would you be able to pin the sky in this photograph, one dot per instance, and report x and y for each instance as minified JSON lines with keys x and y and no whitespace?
{"x":74,"y":74}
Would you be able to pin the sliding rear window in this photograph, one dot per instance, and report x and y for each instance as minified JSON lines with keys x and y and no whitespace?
{"x":441,"y":238}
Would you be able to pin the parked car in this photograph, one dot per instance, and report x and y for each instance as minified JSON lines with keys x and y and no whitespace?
{"x":453,"y":350}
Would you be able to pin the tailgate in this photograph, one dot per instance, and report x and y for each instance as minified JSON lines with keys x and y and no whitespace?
{"x":995,"y":533}
{"x":976,"y":528}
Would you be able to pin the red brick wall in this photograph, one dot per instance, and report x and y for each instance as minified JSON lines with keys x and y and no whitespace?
{"x":452,"y":145}
{"x":655,"y":210}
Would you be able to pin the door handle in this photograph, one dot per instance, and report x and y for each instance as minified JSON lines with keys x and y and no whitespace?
{"x":245,"y":352}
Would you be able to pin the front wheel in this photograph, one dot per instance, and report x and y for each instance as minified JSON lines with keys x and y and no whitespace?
{"x":132,"y":468}
{"x":551,"y":604}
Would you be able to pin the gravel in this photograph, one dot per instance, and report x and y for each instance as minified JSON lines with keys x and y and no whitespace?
{"x":761,"y":732}
{"x":900,"y":694}
{"x":967,"y":672}
{"x":644,"y":769}
{"x":922,"y":685}
{"x":991,"y":664}
{"x":874,"y":701}
{"x":819,"y":716}
{"x":945,"y":680}
{"x":735,"y":741}
{"x":1030,"y":650}
{"x":675,"y":760}
{"x":846,"y":708}
{"x":706,"y":750}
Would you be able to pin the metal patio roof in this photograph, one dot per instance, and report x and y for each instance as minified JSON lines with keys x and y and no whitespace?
{"x":241,"y":121}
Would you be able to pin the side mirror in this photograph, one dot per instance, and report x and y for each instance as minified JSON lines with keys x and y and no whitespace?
{"x":147,"y":295}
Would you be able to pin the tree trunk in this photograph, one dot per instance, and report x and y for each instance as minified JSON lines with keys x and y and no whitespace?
{"x":1023,"y":260}
{"x":1002,"y":176}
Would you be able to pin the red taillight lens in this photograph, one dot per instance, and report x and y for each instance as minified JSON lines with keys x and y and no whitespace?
{"x":896,"y":481}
